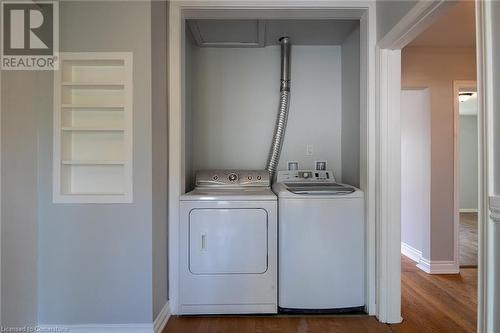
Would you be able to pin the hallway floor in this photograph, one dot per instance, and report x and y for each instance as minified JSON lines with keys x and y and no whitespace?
{"x":468,"y":240}
{"x":430,"y":303}
{"x":437,"y":303}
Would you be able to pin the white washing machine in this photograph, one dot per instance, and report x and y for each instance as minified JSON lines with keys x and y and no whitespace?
{"x":321,"y":243}
{"x":228,"y":244}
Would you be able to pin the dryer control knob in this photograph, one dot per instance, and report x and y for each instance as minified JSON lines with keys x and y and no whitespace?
{"x":232,"y":177}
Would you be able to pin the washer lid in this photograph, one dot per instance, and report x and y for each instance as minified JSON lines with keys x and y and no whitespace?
{"x":316,"y":191}
{"x":246,"y":194}
{"x":319,"y":188}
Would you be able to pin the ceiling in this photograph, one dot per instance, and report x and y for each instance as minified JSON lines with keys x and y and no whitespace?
{"x":260,"y":33}
{"x":456,"y":28}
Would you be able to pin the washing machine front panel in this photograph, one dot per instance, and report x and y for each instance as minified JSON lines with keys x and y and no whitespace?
{"x":228,"y":241}
{"x":321,"y":253}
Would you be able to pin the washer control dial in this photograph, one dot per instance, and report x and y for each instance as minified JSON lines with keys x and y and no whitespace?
{"x":232,"y":177}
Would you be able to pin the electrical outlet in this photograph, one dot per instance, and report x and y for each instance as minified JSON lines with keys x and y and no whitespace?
{"x":309,"y":150}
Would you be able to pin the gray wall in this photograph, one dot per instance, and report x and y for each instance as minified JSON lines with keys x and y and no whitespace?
{"x":468,"y":162}
{"x":351,"y":109}
{"x":160,"y":152}
{"x":416,"y":170}
{"x":235,"y":101}
{"x":389,"y":13}
{"x":95,"y":261}
{"x":20,"y":102}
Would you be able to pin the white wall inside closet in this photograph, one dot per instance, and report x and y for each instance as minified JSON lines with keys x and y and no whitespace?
{"x":351,"y":98}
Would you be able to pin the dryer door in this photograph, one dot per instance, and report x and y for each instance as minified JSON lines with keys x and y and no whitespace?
{"x":228,"y":241}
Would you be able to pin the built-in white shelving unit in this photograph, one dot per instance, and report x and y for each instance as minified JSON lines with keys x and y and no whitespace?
{"x":93,"y":128}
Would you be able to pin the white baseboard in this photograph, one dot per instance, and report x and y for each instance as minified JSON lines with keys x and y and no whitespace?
{"x":438,"y":267}
{"x":411,"y":252}
{"x":428,"y":266}
{"x":162,"y":319}
{"x":98,"y":328}
{"x":468,"y":210}
{"x":157,"y":327}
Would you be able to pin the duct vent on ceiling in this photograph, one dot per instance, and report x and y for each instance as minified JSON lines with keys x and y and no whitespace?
{"x":260,"y":33}
{"x":228,"y":33}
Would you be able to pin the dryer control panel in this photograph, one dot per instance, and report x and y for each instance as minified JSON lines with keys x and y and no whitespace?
{"x":306,"y":176}
{"x":233,"y":178}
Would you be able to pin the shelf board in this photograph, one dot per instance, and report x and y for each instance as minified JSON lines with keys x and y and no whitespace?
{"x":92,"y":194}
{"x":91,"y":129}
{"x":73,"y":162}
{"x":92,"y":106}
{"x":119,"y":63}
{"x":94,"y":84}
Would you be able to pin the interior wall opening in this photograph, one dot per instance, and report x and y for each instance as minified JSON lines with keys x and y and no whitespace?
{"x":439,"y":180}
{"x":182,"y":114}
{"x":465,"y":94}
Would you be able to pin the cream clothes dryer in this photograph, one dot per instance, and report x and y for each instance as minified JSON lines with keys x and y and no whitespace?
{"x":228,"y":244}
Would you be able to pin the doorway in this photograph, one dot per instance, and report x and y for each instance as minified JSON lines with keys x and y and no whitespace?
{"x":437,"y":171}
{"x":466,"y":161}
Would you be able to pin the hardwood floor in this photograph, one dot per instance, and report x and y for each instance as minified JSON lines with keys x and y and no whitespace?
{"x":437,"y":303}
{"x":468,"y":240}
{"x":430,"y":303}
{"x":276,"y":324}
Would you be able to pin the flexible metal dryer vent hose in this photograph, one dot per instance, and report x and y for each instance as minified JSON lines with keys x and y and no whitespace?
{"x":279,"y":129}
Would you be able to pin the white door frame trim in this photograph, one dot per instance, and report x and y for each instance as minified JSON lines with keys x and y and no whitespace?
{"x":389,"y":186}
{"x":457,"y":86}
{"x":486,"y":106}
{"x":178,"y":11}
{"x":413,"y":23}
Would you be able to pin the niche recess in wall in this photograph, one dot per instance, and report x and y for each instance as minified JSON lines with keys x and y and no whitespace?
{"x":93,"y":128}
{"x":231,"y":79}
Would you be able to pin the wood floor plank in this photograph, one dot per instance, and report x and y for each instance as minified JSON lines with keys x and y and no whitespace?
{"x":430,"y":304}
{"x":437,"y":303}
{"x":468,"y":239}
{"x":276,"y":324}
{"x":436,"y":299}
